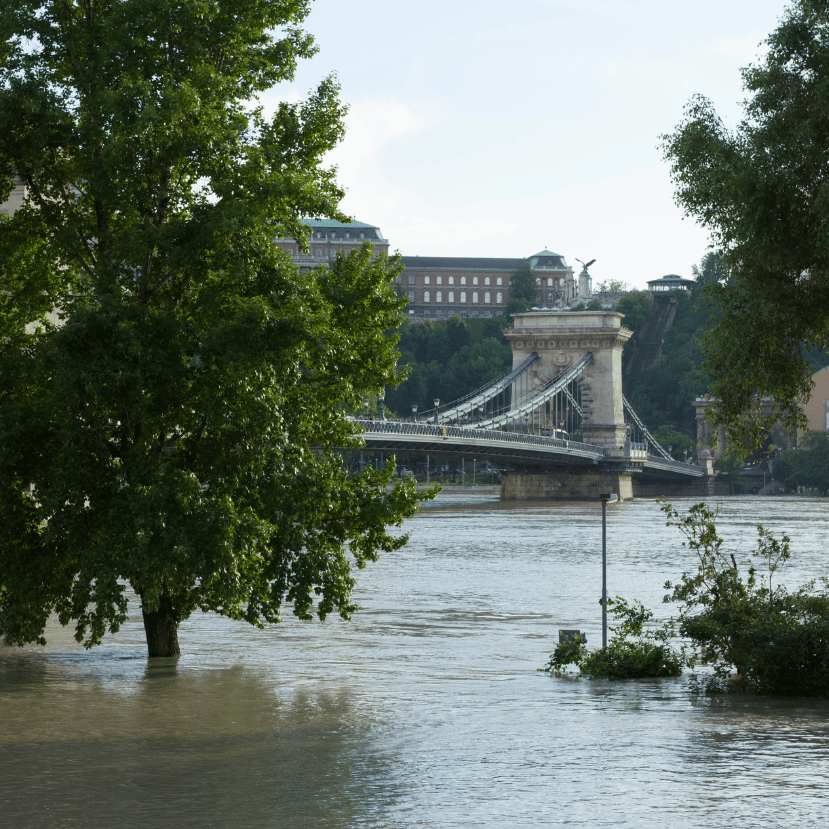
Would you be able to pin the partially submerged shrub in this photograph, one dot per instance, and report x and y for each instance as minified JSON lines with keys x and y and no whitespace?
{"x":776,"y":641}
{"x":634,"y":651}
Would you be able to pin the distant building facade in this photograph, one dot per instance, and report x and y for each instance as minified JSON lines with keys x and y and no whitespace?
{"x":444,"y":286}
{"x":441,"y":286}
{"x":328,"y":238}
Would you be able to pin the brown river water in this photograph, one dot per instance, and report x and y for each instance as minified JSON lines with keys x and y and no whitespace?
{"x":426,"y":710}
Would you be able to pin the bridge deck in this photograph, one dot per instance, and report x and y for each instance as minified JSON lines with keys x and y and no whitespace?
{"x":510,"y":447}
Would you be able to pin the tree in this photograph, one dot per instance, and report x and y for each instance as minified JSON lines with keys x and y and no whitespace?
{"x":776,"y":639}
{"x":523,"y":290}
{"x":680,"y":446}
{"x":636,"y":306}
{"x":612,"y":286}
{"x":808,"y":465}
{"x":175,"y":431}
{"x":762,"y":190}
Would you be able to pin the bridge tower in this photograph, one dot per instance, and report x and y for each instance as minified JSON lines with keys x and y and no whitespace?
{"x":561,"y":338}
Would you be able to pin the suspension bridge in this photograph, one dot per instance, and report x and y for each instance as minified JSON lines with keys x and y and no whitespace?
{"x":557,"y":422}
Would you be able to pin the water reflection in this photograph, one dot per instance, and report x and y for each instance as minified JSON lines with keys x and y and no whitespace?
{"x":217,"y":748}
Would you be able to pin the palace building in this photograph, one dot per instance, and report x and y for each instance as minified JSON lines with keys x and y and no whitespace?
{"x":443,"y":286}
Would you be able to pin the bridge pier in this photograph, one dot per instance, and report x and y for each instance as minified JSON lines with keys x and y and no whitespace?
{"x":565,"y":484}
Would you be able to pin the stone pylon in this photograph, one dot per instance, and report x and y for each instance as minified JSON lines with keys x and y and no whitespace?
{"x":562,"y":338}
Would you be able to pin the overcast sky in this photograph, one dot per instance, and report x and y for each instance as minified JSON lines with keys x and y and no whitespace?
{"x":484,"y":128}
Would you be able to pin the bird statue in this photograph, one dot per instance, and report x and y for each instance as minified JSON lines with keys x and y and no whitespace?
{"x":585,"y":267}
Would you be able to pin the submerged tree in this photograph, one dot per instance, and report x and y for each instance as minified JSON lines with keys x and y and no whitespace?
{"x":762,"y":190}
{"x":172,"y":429}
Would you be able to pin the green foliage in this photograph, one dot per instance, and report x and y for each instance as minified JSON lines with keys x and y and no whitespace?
{"x":762,"y":191}
{"x":612,"y":286}
{"x":634,"y":651}
{"x":523,"y":290}
{"x":448,"y":359}
{"x":641,"y":659}
{"x":179,"y":427}
{"x":636,"y":306}
{"x":777,"y":640}
{"x":731,"y":466}
{"x":806,"y":466}
{"x":662,"y":393}
{"x":675,"y":443}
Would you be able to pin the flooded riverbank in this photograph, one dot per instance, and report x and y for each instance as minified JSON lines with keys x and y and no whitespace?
{"x":426,"y":709}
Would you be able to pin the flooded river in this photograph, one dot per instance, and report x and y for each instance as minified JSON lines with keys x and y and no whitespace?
{"x":427,"y":709}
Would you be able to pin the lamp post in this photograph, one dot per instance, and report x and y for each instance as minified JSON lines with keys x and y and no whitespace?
{"x":414,"y":412}
{"x":381,"y":399}
{"x":437,"y":410}
{"x":603,"y":601}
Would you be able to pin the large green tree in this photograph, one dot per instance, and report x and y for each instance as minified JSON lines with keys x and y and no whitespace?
{"x":762,"y":189}
{"x":173,"y":429}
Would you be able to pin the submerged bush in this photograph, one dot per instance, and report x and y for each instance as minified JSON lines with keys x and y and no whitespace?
{"x":771,"y":640}
{"x":634,"y":652}
{"x":756,"y":635}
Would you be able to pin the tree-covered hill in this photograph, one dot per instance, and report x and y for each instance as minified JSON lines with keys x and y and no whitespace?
{"x":448,"y":359}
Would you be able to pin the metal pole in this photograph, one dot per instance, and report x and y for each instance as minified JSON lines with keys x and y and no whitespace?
{"x":604,"y":572}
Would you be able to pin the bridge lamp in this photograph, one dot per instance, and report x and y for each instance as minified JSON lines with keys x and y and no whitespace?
{"x":366,"y":404}
{"x":437,"y":408}
{"x":414,"y":412}
{"x":605,"y":498}
{"x":381,"y":399}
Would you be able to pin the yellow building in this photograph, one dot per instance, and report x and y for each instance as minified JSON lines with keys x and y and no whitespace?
{"x":817,"y":409}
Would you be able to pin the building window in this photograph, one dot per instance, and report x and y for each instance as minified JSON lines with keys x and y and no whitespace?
{"x":498,"y":281}
{"x":487,"y":299}
{"x":451,"y":280}
{"x":425,"y":280}
{"x":474,"y":297}
{"x":549,"y":283}
{"x":397,"y":280}
{"x":411,"y":296}
{"x":499,"y":298}
{"x":319,"y":254}
{"x":347,"y":234}
{"x":425,"y":296}
{"x":486,"y":280}
{"x":463,"y":280}
{"x":474,"y":280}
{"x":463,"y":296}
{"x":439,"y":296}
{"x":411,"y":280}
{"x":439,"y":280}
{"x":450,"y":296}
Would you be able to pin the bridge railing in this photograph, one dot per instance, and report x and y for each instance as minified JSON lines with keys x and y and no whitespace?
{"x":670,"y":462}
{"x":440,"y":432}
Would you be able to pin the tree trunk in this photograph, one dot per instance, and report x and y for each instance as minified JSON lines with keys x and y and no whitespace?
{"x":161,"y":627}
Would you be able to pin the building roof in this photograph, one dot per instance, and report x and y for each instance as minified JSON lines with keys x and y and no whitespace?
{"x":338,"y":230}
{"x":322,"y":224}
{"x":545,"y":252}
{"x":460,"y":263}
{"x":547,"y":259}
{"x":672,"y":279}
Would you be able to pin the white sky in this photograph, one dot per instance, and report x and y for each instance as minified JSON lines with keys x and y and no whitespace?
{"x":484,"y":128}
